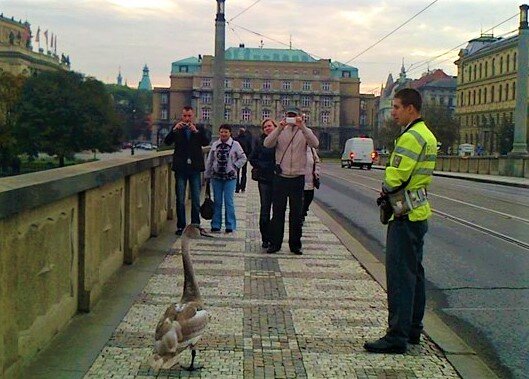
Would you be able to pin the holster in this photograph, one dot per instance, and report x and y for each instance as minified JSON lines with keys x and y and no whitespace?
{"x":404,"y":201}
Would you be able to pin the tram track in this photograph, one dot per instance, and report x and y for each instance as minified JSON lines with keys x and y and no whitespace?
{"x":459,"y":220}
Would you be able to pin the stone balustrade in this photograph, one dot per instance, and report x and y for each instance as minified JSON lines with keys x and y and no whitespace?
{"x":63,"y":234}
{"x":503,"y":166}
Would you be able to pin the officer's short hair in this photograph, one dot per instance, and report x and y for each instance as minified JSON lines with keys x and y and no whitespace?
{"x":409,"y":96}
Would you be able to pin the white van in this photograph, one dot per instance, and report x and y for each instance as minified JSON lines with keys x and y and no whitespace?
{"x":466,"y":150}
{"x":359,"y":152}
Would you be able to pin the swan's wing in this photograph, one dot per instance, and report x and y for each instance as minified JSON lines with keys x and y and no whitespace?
{"x":194,"y":326}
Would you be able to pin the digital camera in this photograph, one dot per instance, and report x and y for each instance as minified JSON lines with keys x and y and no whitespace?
{"x":290,"y":120}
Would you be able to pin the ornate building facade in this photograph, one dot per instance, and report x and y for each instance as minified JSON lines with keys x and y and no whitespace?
{"x":486,"y":89}
{"x":16,"y":52}
{"x":262,"y":83}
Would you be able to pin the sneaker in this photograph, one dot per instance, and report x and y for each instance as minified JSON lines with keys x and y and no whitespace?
{"x":229,"y":230}
{"x":179,"y":231}
{"x":215,"y":230}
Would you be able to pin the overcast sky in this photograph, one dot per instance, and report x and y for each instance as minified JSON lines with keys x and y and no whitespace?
{"x":102,"y":35}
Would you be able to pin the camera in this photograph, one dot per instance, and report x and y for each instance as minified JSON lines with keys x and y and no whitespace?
{"x":290,"y":120}
{"x":277,"y":169}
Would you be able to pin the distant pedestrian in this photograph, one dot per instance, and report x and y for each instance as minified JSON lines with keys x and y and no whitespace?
{"x":406,"y":179}
{"x":224,"y":158}
{"x":263,"y":161}
{"x":312,"y":174}
{"x":188,"y":162}
{"x":246,"y":141}
{"x":290,"y":140}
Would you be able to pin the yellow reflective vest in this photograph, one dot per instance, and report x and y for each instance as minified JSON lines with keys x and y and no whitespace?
{"x":413,"y":158}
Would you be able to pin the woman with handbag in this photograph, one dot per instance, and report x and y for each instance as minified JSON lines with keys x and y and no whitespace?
{"x":312,"y":179}
{"x":224,"y":159}
{"x":262,"y":160}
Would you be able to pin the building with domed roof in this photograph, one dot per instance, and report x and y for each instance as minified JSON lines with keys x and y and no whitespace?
{"x":145,"y":82}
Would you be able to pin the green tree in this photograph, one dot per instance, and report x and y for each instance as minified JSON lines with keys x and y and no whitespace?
{"x":442,"y":123}
{"x":505,"y":136}
{"x":134,"y":108}
{"x":10,"y":92}
{"x":62,"y":113}
{"x":387,"y":134}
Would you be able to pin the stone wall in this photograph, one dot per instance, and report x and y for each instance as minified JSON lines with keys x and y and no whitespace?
{"x":63,"y":234}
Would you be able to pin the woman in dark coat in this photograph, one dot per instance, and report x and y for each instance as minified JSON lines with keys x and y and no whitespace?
{"x":263,"y":162}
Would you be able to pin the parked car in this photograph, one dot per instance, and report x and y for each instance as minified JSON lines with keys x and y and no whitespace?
{"x":126,"y":145}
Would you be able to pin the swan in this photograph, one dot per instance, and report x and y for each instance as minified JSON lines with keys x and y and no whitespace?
{"x":182,"y":324}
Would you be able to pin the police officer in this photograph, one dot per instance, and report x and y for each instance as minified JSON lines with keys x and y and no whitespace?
{"x":408,"y":175}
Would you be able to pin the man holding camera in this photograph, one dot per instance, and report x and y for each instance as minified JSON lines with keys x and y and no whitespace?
{"x":290,"y":140}
{"x":188,"y":163}
{"x":404,"y":197}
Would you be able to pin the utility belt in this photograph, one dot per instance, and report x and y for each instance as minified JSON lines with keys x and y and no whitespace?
{"x":404,"y":201}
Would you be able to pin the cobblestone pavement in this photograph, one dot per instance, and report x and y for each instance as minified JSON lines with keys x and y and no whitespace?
{"x":281,"y":315}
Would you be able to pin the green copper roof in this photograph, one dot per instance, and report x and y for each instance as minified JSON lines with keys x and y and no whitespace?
{"x":272,"y":55}
{"x":187,"y":65}
{"x":338,"y":69}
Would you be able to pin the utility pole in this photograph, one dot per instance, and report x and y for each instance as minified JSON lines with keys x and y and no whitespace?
{"x":219,"y":67}
{"x":519,"y":146}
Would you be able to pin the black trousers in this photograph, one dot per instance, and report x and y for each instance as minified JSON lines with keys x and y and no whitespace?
{"x":405,"y":279}
{"x":241,"y":178}
{"x":290,"y":189}
{"x":265,"y":195}
{"x":308,"y":195}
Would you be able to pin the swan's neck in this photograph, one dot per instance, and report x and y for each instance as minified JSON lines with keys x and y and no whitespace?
{"x":191,"y":291}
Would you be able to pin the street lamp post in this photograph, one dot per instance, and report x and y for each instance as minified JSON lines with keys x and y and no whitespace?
{"x":519,"y":146}
{"x":219,"y":66}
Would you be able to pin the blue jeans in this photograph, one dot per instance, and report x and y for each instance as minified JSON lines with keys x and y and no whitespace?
{"x":223,"y":192}
{"x":181,"y":179}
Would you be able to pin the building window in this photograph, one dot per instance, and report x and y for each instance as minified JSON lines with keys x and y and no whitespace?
{"x":469,"y":73}
{"x":479,"y":96}
{"x":286,"y":85}
{"x":508,"y":62}
{"x":227,"y":114}
{"x":305,"y":101}
{"x":246,"y":84}
{"x":346,"y":74}
{"x":513,"y":90}
{"x":247,"y":100}
{"x":480,"y":70}
{"x":363,"y":104}
{"x":485,"y":94}
{"x":325,"y":86}
{"x":500,"y":92}
{"x":165,"y":98}
{"x":492,"y":94}
{"x":266,"y":100}
{"x":267,"y":84}
{"x":326,"y":101}
{"x":266,"y":114}
{"x":205,"y":97}
{"x":325,"y":117}
{"x":486,"y":69}
{"x":227,"y":83}
{"x":228,"y":99}
{"x":164,"y":114}
{"x":206,"y":114}
{"x":514,"y":61}
{"x":493,"y":66}
{"x":183,"y":69}
{"x":475,"y":71}
{"x":507,"y":91}
{"x":206,"y":82}
{"x":246,"y":114}
{"x":307,"y":86}
{"x":285,"y":101}
{"x":363,"y":120}
{"x":501,"y":65}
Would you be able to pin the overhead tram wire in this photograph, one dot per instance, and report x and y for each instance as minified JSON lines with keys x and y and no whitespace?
{"x":244,"y":10}
{"x":419,"y":64}
{"x":393,"y":31}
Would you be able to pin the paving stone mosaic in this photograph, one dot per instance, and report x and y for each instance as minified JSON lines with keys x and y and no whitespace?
{"x":271,"y":316}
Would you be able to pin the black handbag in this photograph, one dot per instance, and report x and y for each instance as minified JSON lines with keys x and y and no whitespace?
{"x":206,"y":209}
{"x":255,"y":174}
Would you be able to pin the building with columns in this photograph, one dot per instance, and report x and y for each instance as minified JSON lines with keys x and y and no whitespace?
{"x":16,"y":51}
{"x":261,"y":83}
{"x":486,"y":89}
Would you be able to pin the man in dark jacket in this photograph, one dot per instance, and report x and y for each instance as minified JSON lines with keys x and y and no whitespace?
{"x":188,"y":163}
{"x":246,"y":141}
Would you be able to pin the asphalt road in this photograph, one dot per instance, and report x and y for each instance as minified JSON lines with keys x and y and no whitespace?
{"x":476,"y":256}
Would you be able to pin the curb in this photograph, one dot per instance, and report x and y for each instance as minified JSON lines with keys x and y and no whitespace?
{"x":461,"y":356}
